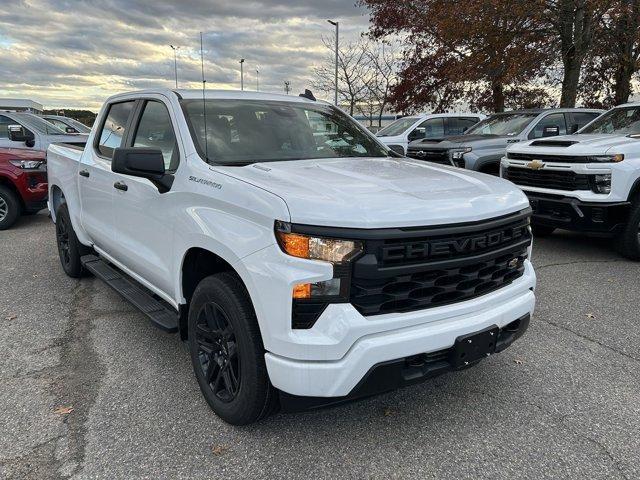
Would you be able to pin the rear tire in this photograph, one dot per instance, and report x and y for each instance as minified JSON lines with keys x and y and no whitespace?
{"x":628,"y":241}
{"x":227,"y":351}
{"x":541,"y":230}
{"x":70,"y":249}
{"x":10,"y":208}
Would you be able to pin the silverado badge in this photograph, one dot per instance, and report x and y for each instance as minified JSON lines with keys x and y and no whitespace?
{"x":535,"y":165}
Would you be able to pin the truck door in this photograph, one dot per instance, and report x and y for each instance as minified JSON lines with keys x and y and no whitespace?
{"x":145,"y":227}
{"x":96,"y":180}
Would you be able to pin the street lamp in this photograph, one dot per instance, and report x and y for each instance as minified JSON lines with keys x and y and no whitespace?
{"x":241,"y":74}
{"x":257,"y":80}
{"x":175,"y":61}
{"x":337,"y":25}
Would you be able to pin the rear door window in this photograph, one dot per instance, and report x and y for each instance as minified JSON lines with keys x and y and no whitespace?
{"x":113,"y":129}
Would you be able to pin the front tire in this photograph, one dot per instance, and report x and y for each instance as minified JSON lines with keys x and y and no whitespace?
{"x":70,"y":249}
{"x":10,"y":208}
{"x":628,"y":241}
{"x":227,"y":351}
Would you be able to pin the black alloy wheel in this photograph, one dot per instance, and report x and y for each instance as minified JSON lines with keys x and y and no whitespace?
{"x":218,"y":352}
{"x":62,"y":237}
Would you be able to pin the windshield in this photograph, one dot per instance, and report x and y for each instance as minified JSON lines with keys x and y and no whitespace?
{"x":507,"y":124}
{"x":39,"y":124}
{"x":397,"y":127}
{"x":240,"y":132}
{"x":619,"y":121}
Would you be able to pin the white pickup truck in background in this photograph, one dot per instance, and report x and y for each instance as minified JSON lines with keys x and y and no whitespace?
{"x":587,"y":182}
{"x":303,"y":263}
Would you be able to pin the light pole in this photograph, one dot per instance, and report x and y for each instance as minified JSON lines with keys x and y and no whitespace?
{"x":175,"y":61}
{"x":337,"y":25}
{"x":257,"y":80}
{"x":241,"y":74}
{"x":287,"y":86}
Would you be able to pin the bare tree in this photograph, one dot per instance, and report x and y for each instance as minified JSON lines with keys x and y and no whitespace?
{"x":383,"y":71}
{"x":353,"y":72}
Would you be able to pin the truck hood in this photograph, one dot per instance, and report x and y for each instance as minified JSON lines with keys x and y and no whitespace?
{"x":579,"y":145}
{"x":462,"y":141}
{"x":381,"y":192}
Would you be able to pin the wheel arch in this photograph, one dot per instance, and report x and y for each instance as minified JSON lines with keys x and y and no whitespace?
{"x":197,"y":264}
{"x":56,"y":199}
{"x":635,"y":190}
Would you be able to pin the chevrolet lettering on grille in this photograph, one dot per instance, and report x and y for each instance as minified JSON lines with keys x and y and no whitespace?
{"x":438,"y":248}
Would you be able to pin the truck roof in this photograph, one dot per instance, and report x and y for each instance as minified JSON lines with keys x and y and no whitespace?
{"x":216,"y":94}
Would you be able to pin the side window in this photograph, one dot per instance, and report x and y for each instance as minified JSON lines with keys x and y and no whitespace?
{"x":4,"y":126}
{"x":155,"y":131}
{"x":580,"y":119}
{"x":459,"y":125}
{"x":113,"y":130}
{"x":552,"y":120}
{"x":431,"y":128}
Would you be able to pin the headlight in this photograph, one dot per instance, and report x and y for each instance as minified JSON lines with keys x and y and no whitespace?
{"x":315,"y":248}
{"x":606,"y":158}
{"x":601,"y":183}
{"x":458,"y":154}
{"x":27,"y":164}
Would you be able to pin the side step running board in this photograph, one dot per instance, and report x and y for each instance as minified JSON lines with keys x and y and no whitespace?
{"x":161,"y":316}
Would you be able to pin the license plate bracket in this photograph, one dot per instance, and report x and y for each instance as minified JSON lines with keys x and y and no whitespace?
{"x":473,"y":347}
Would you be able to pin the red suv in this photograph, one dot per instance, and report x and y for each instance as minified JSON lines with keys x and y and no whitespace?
{"x":23,"y":184}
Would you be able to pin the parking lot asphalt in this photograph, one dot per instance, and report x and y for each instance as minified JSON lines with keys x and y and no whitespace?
{"x":91,"y":390}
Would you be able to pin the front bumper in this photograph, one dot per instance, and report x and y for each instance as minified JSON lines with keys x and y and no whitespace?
{"x":365,"y":342}
{"x":402,"y":372}
{"x":569,"y":213}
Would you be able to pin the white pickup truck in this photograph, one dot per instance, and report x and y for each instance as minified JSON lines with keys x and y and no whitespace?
{"x":587,"y":182}
{"x":303,"y":263}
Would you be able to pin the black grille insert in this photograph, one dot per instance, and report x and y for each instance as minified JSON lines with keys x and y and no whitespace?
{"x":436,"y":155}
{"x":441,"y":265}
{"x":554,"y":179}
{"x":548,"y":157}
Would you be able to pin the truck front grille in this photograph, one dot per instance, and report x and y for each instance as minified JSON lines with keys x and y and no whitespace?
{"x":435,"y":156}
{"x":553,"y":179}
{"x":429,"y":267}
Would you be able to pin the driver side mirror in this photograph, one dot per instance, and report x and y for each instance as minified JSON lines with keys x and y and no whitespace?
{"x":17,"y":133}
{"x":551,"y":131}
{"x":417,"y":134}
{"x":144,"y":163}
{"x":70,"y":130}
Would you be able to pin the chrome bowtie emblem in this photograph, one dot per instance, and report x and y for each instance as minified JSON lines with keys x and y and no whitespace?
{"x":535,"y":165}
{"x":513,"y":263}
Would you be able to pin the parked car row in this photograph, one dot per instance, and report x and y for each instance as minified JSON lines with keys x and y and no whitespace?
{"x":482,"y":146}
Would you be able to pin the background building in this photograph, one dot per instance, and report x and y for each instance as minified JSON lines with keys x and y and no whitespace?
{"x":21,"y":105}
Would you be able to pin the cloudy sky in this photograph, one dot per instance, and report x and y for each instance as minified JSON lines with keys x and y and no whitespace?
{"x":68,"y":53}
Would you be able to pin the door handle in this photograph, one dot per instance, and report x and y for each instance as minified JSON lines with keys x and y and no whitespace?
{"x":84,"y":173}
{"x":121,"y":186}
